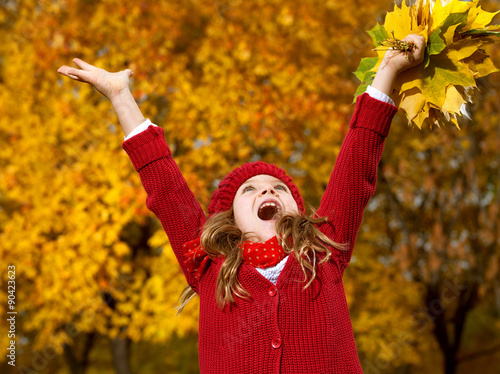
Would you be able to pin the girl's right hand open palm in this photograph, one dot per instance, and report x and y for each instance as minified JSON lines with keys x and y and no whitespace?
{"x":109,"y":84}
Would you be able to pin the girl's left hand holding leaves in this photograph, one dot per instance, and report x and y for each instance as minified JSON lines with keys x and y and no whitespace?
{"x":398,"y":61}
{"x":395,"y":61}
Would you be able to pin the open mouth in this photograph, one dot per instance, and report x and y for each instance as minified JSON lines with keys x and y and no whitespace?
{"x":268,"y":210}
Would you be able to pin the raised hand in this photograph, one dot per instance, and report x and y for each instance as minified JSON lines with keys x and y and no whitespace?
{"x":109,"y":84}
{"x":396,"y":61}
{"x":115,"y":86}
{"x":399,"y":60}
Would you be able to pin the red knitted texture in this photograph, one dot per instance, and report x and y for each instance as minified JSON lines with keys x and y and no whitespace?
{"x":281,"y":328}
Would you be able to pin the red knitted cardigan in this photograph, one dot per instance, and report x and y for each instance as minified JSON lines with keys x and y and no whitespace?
{"x":281,"y":328}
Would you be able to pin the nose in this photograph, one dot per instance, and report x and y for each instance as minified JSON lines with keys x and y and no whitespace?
{"x":268,"y":189}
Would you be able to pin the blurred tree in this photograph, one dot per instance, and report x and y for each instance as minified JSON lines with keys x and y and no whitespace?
{"x":437,"y":216}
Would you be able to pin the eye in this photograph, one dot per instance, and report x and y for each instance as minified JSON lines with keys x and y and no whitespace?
{"x":280,"y":187}
{"x":248,"y":188}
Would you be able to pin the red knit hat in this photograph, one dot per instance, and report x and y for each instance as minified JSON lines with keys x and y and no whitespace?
{"x":223,"y":197}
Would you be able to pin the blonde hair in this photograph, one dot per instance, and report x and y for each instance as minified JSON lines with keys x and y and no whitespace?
{"x":221,"y":237}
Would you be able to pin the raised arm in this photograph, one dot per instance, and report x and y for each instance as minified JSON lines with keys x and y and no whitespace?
{"x":114,"y":86}
{"x":354,"y":177}
{"x":169,"y":196}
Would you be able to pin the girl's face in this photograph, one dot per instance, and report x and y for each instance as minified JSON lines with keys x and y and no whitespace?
{"x":257,"y":201}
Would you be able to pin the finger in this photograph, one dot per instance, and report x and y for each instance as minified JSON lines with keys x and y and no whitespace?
{"x":414,"y":38}
{"x":77,"y":74}
{"x":63,"y":70}
{"x":84,"y":65}
{"x":128,"y":72}
{"x":74,"y":77}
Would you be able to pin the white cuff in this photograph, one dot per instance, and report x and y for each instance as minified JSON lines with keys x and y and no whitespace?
{"x":143,"y":126}
{"x":379,"y":95}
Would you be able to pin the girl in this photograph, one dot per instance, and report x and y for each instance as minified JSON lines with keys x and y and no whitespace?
{"x":269,"y":277}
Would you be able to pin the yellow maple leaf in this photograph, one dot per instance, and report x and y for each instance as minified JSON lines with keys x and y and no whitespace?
{"x":412,"y":102}
{"x":453,"y":101}
{"x":479,"y":18}
{"x":441,"y":13}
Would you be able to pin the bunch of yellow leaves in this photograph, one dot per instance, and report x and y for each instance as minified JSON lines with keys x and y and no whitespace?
{"x":457,"y":54}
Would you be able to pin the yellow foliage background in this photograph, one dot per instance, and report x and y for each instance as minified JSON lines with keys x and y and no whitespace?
{"x":230,"y":81}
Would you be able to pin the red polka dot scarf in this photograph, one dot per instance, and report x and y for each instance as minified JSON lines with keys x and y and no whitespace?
{"x":261,"y":255}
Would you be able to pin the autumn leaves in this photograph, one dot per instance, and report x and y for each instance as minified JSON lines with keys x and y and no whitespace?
{"x":457,"y":54}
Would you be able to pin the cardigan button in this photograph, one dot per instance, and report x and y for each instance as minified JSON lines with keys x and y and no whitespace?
{"x":276,"y":343}
{"x":272,"y":291}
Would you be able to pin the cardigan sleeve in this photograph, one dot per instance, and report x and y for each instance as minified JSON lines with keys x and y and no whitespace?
{"x":168,"y":195}
{"x":352,"y":182}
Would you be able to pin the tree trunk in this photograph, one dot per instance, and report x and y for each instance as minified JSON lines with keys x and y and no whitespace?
{"x":120,"y":348}
{"x":450,"y":362}
{"x":450,"y":340}
{"x":77,"y":366}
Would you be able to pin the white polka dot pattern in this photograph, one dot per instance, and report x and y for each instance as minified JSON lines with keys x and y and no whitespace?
{"x":259,"y":255}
